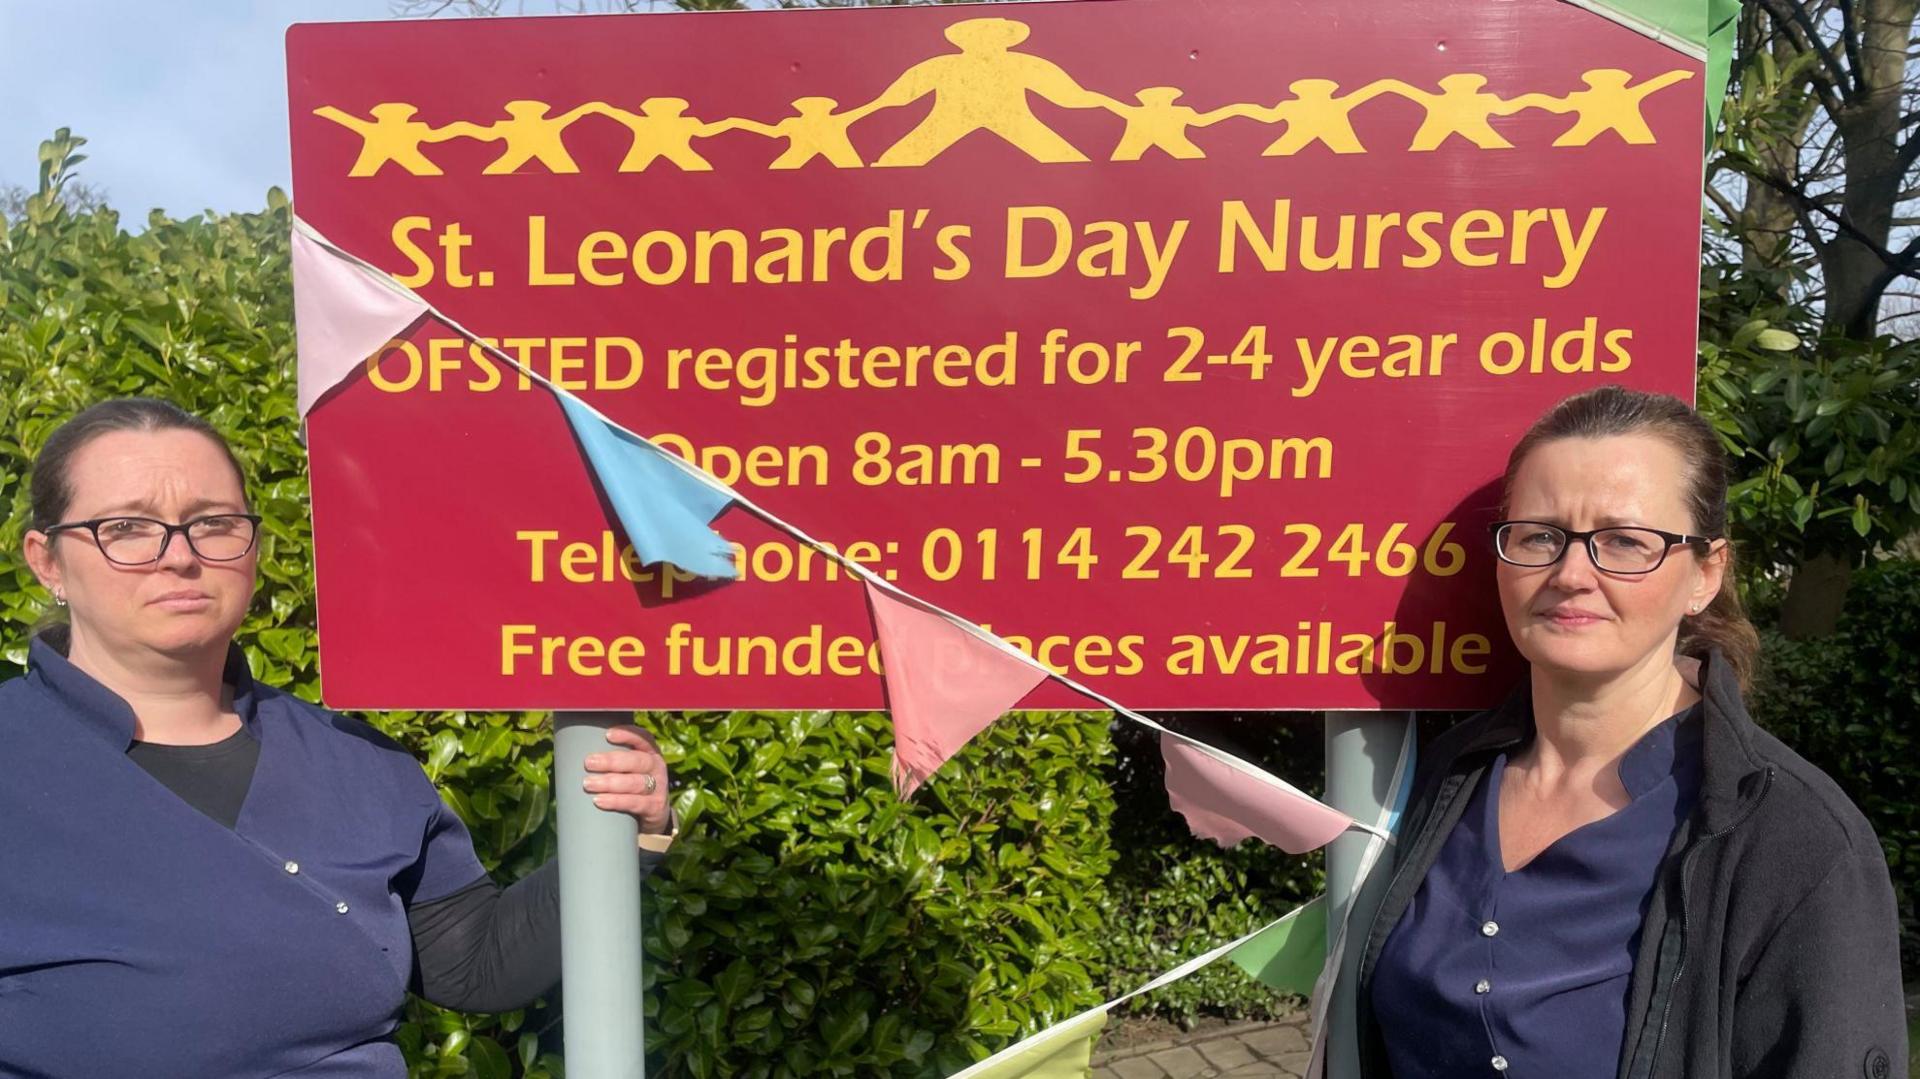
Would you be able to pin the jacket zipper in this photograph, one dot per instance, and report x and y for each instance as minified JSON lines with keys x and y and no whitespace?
{"x":1686,"y":876}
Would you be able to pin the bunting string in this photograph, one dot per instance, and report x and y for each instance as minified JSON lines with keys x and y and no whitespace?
{"x":1065,"y":1046}
{"x":1241,"y":803}
{"x":578,"y":407}
{"x":1039,"y":1049}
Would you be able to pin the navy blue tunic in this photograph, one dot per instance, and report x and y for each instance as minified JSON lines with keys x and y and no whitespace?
{"x":1525,"y":973}
{"x":140,"y":937}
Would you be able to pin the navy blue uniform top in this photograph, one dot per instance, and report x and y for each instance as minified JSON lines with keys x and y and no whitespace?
{"x":1525,"y":973}
{"x":138,"y":936}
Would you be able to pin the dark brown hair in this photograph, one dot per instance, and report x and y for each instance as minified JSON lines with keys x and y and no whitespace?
{"x":52,"y":484}
{"x":1615,"y":410}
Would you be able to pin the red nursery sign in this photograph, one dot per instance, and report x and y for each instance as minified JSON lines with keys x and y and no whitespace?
{"x":1180,"y":342}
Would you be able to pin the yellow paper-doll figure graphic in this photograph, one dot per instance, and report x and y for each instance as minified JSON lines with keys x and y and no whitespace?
{"x":1607,"y":104}
{"x":814,"y":130}
{"x":984,"y":87}
{"x":530,"y":135}
{"x":662,"y":128}
{"x":1159,"y":124}
{"x":1462,"y":107}
{"x":1315,"y":114}
{"x":391,"y":135}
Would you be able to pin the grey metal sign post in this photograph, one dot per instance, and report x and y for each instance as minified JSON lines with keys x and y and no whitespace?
{"x":600,"y":954}
{"x":1362,"y":748}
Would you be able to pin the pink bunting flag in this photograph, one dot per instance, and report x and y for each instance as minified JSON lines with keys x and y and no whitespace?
{"x":944,"y":685}
{"x":1227,"y":803}
{"x":341,"y":315}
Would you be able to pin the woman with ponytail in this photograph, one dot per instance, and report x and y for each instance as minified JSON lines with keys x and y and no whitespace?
{"x":201,"y":874}
{"x":1616,"y":873}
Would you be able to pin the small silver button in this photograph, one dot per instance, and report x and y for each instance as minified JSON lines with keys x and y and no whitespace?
{"x":292,"y":867}
{"x":1483,"y":987}
{"x":1490,"y":929}
{"x":1499,"y":1064}
{"x":340,"y":907}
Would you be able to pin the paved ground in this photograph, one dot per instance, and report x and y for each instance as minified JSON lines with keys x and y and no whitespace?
{"x":1248,"y":1051}
{"x":1270,"y":1050}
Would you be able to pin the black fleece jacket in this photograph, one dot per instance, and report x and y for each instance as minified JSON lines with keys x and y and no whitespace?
{"x":1771,"y":944}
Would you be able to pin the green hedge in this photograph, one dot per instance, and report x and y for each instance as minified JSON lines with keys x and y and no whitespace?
{"x":1850,"y":703}
{"x":1171,"y":896}
{"x":808,"y":922}
{"x":812,"y":924}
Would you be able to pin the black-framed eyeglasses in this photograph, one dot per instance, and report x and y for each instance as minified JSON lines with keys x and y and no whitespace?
{"x":141,"y":541}
{"x":1625,"y":549}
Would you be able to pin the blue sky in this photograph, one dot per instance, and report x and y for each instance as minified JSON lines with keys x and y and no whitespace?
{"x":183,"y":102}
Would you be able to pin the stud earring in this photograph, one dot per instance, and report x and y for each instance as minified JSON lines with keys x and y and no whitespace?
{"x":59,"y":599}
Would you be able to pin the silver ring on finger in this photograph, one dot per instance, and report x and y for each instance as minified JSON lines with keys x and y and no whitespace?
{"x":652,"y":783}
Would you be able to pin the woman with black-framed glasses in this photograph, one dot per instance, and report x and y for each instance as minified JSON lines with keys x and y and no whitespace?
{"x":245,"y":883}
{"x":1616,"y":873}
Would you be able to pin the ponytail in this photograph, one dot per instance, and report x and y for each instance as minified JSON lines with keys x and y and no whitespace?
{"x":1723,"y":626}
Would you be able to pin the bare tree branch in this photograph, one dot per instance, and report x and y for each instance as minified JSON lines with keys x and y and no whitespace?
{"x":1904,"y":159}
{"x":1832,"y":149}
{"x":1901,"y":263}
{"x":1850,"y":37}
{"x":1830,"y":78}
{"x":1726,"y":207}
